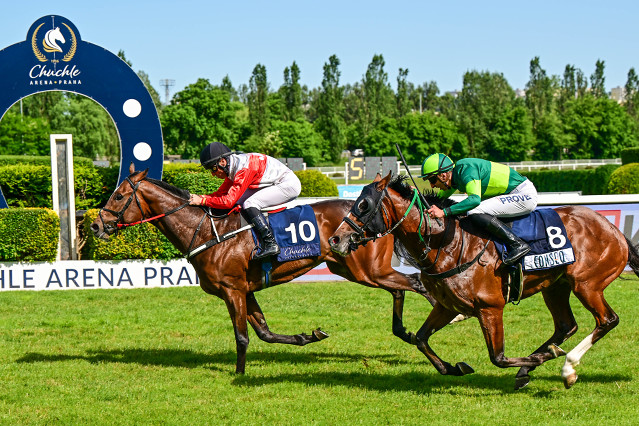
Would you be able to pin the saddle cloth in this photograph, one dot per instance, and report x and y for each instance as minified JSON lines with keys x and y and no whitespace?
{"x":295,"y":230}
{"x":544,"y":231}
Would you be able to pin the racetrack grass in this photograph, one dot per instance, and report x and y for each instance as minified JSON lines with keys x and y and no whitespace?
{"x":167,"y":356}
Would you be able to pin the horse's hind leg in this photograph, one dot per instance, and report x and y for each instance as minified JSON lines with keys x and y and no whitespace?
{"x":258,"y":322}
{"x":557,"y":298}
{"x":605,"y":318}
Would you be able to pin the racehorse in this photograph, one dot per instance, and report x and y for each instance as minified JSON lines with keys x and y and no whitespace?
{"x":464,"y":273}
{"x":226,"y":270}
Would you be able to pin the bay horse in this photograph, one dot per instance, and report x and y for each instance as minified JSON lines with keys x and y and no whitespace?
{"x":464,"y":273}
{"x":226,"y":270}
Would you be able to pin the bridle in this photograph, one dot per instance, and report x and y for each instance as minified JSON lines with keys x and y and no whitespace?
{"x":112,"y":227}
{"x":359,"y":237}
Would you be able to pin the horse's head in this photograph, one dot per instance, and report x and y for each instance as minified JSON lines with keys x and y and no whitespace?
{"x":366,"y":219}
{"x":120,"y":208}
{"x":51,"y":39}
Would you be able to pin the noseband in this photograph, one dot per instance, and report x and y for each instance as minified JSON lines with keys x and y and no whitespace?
{"x":359,"y":237}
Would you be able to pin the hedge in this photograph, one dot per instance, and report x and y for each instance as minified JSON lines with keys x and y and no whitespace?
{"x":28,"y":234}
{"x":589,"y":181}
{"x":316,"y":184}
{"x":630,"y":155}
{"x":625,"y":180}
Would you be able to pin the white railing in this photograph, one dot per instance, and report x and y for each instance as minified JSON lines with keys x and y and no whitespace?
{"x":340,"y":172}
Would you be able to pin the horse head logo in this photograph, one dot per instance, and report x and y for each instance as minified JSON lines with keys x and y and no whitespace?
{"x":50,"y":43}
{"x":51,"y":39}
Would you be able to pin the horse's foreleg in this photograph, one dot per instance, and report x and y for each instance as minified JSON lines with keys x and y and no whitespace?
{"x":258,"y":322}
{"x":398,"y":318}
{"x":606,"y":319}
{"x":492,"y":325}
{"x":236,"y":305}
{"x":557,"y":298}
{"x":438,"y":318}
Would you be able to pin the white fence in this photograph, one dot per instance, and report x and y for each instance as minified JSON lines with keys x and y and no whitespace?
{"x":339,"y":172}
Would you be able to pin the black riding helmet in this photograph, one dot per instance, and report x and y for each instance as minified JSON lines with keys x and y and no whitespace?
{"x":212,"y":153}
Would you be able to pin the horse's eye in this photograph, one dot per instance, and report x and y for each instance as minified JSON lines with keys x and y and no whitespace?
{"x":118,"y":197}
{"x":363,"y":206}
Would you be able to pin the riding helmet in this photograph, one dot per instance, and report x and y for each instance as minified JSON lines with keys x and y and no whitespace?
{"x":212,"y":153}
{"x":436,"y":164}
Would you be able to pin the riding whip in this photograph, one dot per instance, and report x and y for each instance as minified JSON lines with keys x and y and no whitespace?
{"x":401,"y":155}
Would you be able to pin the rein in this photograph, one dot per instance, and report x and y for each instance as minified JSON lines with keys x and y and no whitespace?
{"x":120,"y":214}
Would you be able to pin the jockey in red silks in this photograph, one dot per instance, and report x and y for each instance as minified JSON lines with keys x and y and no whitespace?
{"x":253,"y":181}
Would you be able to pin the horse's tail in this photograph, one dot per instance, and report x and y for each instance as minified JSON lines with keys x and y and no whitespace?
{"x":633,"y":257}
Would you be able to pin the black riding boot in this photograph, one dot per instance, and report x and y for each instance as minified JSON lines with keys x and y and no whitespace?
{"x":268,"y":243}
{"x":516,"y":247}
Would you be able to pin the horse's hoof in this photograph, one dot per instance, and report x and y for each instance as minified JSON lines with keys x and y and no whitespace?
{"x":556,"y":351}
{"x":319,"y":334}
{"x":570,"y":380}
{"x":464,"y":368}
{"x":522,"y":381}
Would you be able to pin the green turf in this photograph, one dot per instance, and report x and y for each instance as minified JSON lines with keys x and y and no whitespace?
{"x":167,"y":356}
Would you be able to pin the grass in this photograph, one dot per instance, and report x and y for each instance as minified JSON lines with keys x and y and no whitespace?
{"x":167,"y":356}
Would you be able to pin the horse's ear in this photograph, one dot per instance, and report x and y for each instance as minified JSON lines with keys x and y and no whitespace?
{"x":378,"y":177}
{"x":131,"y":168}
{"x":383,"y":183}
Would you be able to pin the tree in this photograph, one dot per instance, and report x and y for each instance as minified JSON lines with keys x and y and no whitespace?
{"x":428,"y":133}
{"x":597,"y":81}
{"x":403,"y":93}
{"x":23,"y":135}
{"x":197,"y":116}
{"x":292,"y":93}
{"x":631,"y":90}
{"x":94,"y":133}
{"x":227,"y":86}
{"x":258,"y":100}
{"x":484,"y":99}
{"x":330,"y":123}
{"x":299,"y":139}
{"x":378,"y":95}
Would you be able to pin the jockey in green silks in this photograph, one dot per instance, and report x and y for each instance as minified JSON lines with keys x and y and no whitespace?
{"x":494,"y":190}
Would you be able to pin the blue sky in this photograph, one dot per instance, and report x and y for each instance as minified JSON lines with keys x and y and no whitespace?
{"x":437,"y":41}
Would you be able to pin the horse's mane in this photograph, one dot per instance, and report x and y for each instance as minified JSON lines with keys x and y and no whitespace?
{"x":399,"y":185}
{"x":178,"y":192}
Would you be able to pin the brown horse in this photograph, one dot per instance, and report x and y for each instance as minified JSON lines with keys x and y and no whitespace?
{"x":226,"y":270}
{"x":468,"y":277}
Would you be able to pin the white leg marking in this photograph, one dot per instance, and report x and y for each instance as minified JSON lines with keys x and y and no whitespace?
{"x":573,"y":357}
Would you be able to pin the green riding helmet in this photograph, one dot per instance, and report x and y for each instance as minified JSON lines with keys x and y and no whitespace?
{"x":436,"y":164}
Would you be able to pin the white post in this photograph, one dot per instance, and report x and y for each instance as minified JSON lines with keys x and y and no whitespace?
{"x":63,"y":194}
{"x":346,"y":173}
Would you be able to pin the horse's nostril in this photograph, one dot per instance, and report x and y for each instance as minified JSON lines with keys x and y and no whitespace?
{"x":94,"y":227}
{"x":334,"y":240}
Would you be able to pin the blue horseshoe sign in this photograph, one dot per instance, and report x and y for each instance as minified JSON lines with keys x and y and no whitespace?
{"x":54,"y":57}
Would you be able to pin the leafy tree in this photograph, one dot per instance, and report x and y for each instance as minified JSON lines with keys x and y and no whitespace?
{"x":631,"y":90}
{"x":378,"y":95}
{"x":512,"y":138}
{"x":197,"y":116}
{"x":23,"y":135}
{"x":597,"y":81}
{"x":257,"y":100}
{"x":330,"y":123}
{"x":299,"y":139}
{"x":94,"y":134}
{"x":270,"y":144}
{"x":292,"y":93}
{"x":227,"y":86}
{"x":403,"y":93}
{"x":600,"y":128}
{"x":427,"y":133}
{"x":484,"y":99}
